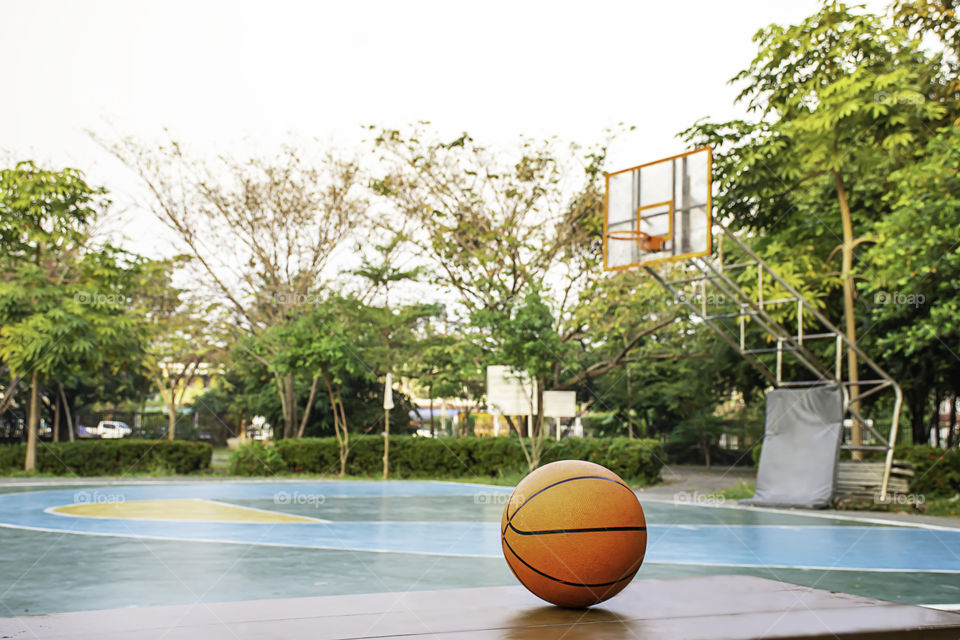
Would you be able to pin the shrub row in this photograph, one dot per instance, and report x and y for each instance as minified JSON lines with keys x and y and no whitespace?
{"x":936,"y":471}
{"x":256,"y":459}
{"x":111,"y":457}
{"x":411,"y":457}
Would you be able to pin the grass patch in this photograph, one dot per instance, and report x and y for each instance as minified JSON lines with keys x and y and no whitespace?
{"x":741,"y":491}
{"x":949,"y":507}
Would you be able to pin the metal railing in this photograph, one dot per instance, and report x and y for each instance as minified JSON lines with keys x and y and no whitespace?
{"x":788,"y":343}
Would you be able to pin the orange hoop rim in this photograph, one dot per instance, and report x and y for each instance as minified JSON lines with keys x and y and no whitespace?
{"x":628,"y":234}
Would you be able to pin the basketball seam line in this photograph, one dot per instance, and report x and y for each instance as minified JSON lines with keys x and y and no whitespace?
{"x":511,"y":517}
{"x":571,"y":584}
{"x":584,"y":530}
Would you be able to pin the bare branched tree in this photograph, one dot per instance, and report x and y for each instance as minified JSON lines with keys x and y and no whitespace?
{"x":265,"y":232}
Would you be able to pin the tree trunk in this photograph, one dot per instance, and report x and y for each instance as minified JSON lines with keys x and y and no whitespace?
{"x":31,"y":461}
{"x":536,"y":438}
{"x":7,"y":398}
{"x":345,"y":444}
{"x":433,"y":425}
{"x":386,"y":443}
{"x":56,"y":418}
{"x":849,"y":311}
{"x":629,"y":406}
{"x":951,"y":439}
{"x":917,"y":401}
{"x":705,"y":444}
{"x":935,"y":418}
{"x":290,"y":415}
{"x":66,"y":411}
{"x":309,"y":407}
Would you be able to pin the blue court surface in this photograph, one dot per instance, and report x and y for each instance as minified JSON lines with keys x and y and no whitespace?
{"x":59,"y":552}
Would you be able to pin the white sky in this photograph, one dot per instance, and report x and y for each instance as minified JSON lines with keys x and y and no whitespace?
{"x":243,"y":74}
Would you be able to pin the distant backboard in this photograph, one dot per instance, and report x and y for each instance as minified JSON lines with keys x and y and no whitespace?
{"x":659,"y":211}
{"x":510,"y":392}
{"x":560,"y":404}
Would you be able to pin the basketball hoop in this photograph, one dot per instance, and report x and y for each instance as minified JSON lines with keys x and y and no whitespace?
{"x":645,"y":241}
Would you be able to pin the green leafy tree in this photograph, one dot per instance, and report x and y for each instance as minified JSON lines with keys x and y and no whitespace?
{"x":842,"y":98}
{"x":62,"y":304}
{"x":523,"y":336}
{"x":916,"y":259}
{"x":388,"y":330}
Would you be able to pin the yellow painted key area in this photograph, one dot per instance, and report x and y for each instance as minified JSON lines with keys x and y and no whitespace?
{"x":178,"y":510}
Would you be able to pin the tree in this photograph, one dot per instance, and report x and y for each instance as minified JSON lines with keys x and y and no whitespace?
{"x":263,"y":232}
{"x":493,"y":226}
{"x":59,"y":330}
{"x":488,"y":224}
{"x":180,"y":340}
{"x":841,"y":100}
{"x":523,"y":337}
{"x":916,"y":259}
{"x":62,"y":304}
{"x":380,"y":276}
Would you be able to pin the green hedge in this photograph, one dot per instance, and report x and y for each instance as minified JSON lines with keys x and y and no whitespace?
{"x":256,"y":459}
{"x":936,"y":471}
{"x":110,"y":457}
{"x":412,"y":457}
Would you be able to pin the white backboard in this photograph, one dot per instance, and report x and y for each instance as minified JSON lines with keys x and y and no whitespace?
{"x":510,"y":392}
{"x":659,"y":211}
{"x":560,"y":404}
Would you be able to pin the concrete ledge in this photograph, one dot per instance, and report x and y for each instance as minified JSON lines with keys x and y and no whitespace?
{"x":718,"y":607}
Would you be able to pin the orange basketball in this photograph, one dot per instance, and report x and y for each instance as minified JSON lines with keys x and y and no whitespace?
{"x":573,"y":533}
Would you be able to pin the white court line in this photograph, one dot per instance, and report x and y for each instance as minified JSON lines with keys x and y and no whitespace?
{"x":942,"y":607}
{"x":804,"y":514}
{"x":801,"y":568}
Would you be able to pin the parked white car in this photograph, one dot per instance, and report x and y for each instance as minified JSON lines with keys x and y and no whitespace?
{"x":111,"y":429}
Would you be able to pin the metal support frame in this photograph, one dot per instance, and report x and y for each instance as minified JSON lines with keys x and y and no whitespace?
{"x":787,"y":342}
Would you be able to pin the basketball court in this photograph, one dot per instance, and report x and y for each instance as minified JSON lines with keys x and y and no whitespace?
{"x":83,"y":548}
{"x":423,"y":559}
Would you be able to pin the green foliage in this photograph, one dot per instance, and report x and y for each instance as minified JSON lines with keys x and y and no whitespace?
{"x":523,"y":334}
{"x":40,"y":209}
{"x":916,"y":259}
{"x":936,"y":471}
{"x":697,"y":434}
{"x":411,"y":457}
{"x":63,"y":303}
{"x":256,"y":459}
{"x":847,"y":147}
{"x":111,"y":457}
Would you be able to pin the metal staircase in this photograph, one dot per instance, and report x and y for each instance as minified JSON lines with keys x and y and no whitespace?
{"x":785,"y":354}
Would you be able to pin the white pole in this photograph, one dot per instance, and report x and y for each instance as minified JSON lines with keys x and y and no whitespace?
{"x":556,"y":426}
{"x":496,"y":423}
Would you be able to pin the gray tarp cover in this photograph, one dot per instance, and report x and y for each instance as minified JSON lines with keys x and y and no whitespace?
{"x":801,"y":445}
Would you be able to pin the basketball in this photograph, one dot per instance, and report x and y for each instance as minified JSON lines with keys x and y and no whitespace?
{"x":573,"y":533}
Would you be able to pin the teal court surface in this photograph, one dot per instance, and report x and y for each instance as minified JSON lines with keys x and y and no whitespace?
{"x":77,"y":548}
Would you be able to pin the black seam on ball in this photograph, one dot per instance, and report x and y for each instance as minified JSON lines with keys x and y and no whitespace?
{"x":570,"y":584}
{"x":585,"y":530}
